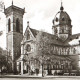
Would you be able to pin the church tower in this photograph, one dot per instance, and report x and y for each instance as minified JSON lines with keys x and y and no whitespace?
{"x":14,"y":31}
{"x":62,"y":25}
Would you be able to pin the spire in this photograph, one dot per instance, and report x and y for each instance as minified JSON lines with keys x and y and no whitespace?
{"x":12,"y":2}
{"x":61,"y":8}
{"x":27,"y":23}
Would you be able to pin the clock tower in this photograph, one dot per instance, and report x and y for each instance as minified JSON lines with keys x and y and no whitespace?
{"x":14,"y":31}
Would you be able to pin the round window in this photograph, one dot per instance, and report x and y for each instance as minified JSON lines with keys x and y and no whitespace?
{"x":28,"y":48}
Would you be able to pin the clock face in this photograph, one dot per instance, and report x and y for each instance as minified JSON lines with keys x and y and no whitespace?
{"x":28,"y":48}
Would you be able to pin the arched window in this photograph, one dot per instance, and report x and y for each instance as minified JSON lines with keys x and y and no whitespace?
{"x":68,"y":51}
{"x":63,"y":19}
{"x":28,"y":48}
{"x":9,"y":24}
{"x":17,"y":25}
{"x":28,"y":35}
{"x":55,"y":30}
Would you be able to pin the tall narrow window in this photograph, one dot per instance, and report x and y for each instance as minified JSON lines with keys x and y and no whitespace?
{"x":17,"y":25}
{"x":9,"y":24}
{"x":28,"y":35}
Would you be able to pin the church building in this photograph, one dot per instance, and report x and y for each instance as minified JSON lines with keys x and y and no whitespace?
{"x":47,"y":53}
{"x":39,"y":52}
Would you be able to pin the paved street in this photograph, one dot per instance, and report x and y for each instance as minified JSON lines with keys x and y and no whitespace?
{"x":39,"y":78}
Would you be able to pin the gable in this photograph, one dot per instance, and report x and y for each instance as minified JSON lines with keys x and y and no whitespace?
{"x":31,"y":34}
{"x":34,"y":32}
{"x":28,"y":35}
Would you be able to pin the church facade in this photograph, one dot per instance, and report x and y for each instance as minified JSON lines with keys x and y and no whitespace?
{"x":38,"y":52}
{"x":54,"y":53}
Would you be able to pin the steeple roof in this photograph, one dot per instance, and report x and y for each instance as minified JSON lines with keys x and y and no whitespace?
{"x":13,"y":8}
{"x":61,"y":8}
{"x":62,"y":18}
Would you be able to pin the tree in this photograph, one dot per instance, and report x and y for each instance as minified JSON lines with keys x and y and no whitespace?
{"x":3,"y":61}
{"x":43,"y":42}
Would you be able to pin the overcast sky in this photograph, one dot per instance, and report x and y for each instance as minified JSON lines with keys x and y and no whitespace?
{"x":40,"y":13}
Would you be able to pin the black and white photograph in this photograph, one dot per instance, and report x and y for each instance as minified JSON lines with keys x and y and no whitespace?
{"x":39,"y":39}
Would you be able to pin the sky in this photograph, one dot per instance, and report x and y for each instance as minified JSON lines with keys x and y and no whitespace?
{"x":40,"y":14}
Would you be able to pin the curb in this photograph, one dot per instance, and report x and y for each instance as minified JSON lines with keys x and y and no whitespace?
{"x":36,"y":77}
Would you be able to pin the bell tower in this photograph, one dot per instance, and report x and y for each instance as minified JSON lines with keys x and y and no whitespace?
{"x":62,"y":25}
{"x":14,"y":31}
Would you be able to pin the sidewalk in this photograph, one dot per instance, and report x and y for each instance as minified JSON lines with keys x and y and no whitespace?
{"x":33,"y":76}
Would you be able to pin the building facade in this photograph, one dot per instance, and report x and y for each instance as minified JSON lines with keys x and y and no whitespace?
{"x":38,"y":52}
{"x":56,"y":53}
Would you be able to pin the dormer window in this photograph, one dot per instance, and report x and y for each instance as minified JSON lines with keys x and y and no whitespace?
{"x":55,"y":30}
{"x":63,"y":19}
{"x":56,"y":19}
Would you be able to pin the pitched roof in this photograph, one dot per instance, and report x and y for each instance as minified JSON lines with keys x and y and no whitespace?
{"x":54,"y":39}
{"x":74,"y":39}
{"x":11,"y":8}
{"x":75,"y":36}
{"x":34,"y":31}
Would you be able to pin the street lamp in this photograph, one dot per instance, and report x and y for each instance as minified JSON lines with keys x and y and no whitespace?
{"x":42,"y":66}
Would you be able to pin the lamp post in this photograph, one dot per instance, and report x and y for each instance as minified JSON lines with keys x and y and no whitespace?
{"x":42,"y":66}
